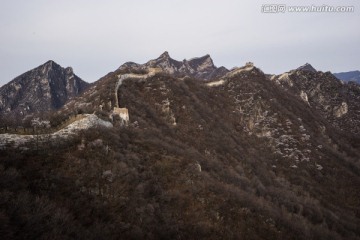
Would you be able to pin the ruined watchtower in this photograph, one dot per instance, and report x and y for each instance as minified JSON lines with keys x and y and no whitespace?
{"x":123,"y":113}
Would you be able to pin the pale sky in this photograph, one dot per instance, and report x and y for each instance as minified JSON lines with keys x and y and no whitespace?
{"x":97,"y":36}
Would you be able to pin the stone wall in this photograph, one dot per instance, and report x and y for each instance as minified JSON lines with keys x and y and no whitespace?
{"x":122,"y":112}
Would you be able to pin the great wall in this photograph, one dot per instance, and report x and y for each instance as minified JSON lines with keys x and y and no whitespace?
{"x":21,"y":135}
{"x":123,"y":113}
{"x":84,"y":121}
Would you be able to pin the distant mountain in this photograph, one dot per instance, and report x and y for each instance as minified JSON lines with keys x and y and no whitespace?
{"x":41,"y":89}
{"x":353,"y":76}
{"x":201,"y":67}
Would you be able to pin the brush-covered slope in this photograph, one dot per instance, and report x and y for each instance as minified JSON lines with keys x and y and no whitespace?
{"x":236,"y":158}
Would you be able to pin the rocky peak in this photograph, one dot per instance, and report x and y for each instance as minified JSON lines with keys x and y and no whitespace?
{"x":307,"y":67}
{"x":164,"y":55}
{"x":200,"y":67}
{"x":49,"y":63}
{"x":46,"y":67}
{"x":46,"y":87}
{"x":202,"y":63}
{"x":165,"y":60}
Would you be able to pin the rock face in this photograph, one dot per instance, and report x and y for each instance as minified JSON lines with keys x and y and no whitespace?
{"x":41,"y":89}
{"x":201,"y":68}
{"x":353,"y":76}
{"x":336,"y":101}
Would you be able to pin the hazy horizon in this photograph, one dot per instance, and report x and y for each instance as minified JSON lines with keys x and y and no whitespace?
{"x":97,"y":37}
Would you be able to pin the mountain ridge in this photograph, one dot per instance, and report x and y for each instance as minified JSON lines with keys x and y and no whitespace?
{"x":241,"y":156}
{"x":199,"y":67}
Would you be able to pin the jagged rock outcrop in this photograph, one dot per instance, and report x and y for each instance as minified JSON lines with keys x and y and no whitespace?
{"x":335,"y":100}
{"x":41,"y":89}
{"x":200,"y":68}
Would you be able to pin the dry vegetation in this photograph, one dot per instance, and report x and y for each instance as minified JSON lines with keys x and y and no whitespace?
{"x":195,"y":163}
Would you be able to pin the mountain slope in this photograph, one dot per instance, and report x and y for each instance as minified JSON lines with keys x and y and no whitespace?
{"x":246,"y":150}
{"x":41,"y":89}
{"x":337,"y":102}
{"x":239,"y":157}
